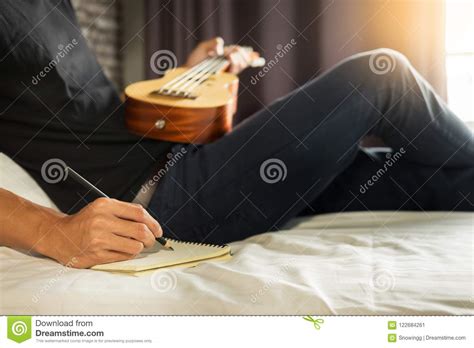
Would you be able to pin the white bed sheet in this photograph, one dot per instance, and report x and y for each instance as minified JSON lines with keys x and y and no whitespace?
{"x":351,"y":263}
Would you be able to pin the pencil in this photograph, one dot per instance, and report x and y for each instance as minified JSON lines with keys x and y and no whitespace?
{"x":87,"y":184}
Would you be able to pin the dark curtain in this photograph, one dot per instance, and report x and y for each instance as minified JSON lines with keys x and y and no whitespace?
{"x":325,"y":31}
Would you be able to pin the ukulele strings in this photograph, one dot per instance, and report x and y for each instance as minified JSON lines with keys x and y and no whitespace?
{"x":189,"y":86}
{"x":187,"y":82}
{"x":197,"y":74}
{"x":221,"y":63}
{"x":203,"y":67}
{"x":171,"y":85}
{"x":182,"y":77}
{"x":196,"y":77}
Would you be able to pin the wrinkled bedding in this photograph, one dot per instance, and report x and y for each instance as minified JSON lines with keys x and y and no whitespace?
{"x":403,"y":263}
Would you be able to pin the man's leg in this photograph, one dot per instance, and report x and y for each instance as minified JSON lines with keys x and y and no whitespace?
{"x":274,"y":163}
{"x":385,"y":181}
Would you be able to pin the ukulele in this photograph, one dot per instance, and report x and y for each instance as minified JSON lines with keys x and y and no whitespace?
{"x":187,"y":105}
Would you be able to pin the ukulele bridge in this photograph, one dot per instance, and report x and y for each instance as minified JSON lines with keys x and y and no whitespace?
{"x":173,"y":93}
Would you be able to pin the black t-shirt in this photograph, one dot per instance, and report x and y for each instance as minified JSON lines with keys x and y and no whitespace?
{"x":56,"y":103}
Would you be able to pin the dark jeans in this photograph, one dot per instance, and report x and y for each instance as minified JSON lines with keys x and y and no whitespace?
{"x":301,"y":155}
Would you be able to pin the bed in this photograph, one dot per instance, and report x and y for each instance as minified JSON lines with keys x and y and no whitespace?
{"x":354,"y":263}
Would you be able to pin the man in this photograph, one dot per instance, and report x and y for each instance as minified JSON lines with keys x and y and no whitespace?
{"x":299,"y":153}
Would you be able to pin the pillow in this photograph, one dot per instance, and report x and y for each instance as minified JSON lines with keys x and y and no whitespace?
{"x":15,"y":179}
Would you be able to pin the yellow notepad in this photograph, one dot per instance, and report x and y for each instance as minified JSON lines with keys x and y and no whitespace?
{"x":185,"y":254}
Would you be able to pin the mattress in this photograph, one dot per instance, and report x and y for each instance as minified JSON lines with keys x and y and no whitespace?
{"x":359,"y":263}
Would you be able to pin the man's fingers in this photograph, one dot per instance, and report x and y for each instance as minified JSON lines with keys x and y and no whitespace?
{"x":135,"y":230}
{"x":124,"y":245}
{"x":107,"y":256}
{"x":214,"y":46}
{"x":140,"y":214}
{"x":237,"y":63}
{"x":133,"y":212}
{"x":238,"y":57}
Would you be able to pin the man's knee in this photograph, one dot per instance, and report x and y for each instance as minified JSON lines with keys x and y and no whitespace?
{"x":380,"y":61}
{"x":376,"y":67}
{"x":385,"y":60}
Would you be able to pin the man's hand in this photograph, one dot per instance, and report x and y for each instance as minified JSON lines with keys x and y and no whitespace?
{"x":106,"y":230}
{"x":204,"y":50}
{"x":238,"y":57}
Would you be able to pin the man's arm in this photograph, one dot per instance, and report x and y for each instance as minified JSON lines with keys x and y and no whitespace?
{"x":106,"y":230}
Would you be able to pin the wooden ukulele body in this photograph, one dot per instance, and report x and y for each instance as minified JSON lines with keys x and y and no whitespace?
{"x":198,"y":120}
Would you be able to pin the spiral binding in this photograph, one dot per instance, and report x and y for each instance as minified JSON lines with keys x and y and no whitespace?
{"x":197,"y":243}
